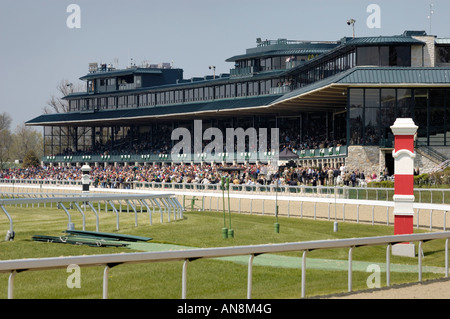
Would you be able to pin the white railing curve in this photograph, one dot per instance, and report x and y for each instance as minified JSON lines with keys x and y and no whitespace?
{"x":110,"y":260}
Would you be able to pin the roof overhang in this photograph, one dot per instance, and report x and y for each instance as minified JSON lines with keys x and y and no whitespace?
{"x":329,"y":94}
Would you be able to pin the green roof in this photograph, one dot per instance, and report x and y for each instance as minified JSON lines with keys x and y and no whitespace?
{"x":386,"y":76}
{"x":384,"y":40}
{"x":360,"y":76}
{"x":145,"y":112}
{"x":107,"y":74}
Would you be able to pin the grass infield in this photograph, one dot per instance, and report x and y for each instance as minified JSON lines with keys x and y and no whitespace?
{"x":207,"y":278}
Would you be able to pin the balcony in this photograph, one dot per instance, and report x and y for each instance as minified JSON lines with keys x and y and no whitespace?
{"x":280,"y":89}
{"x":242,"y":72}
{"x":127,"y":86}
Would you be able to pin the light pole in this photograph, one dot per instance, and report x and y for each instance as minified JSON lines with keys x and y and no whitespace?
{"x":352,"y":23}
{"x":276,"y":226}
{"x":224,"y":228}
{"x":213,"y":67}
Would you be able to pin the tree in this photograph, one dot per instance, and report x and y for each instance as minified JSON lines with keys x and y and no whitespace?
{"x":30,"y":160}
{"x":26,"y":139}
{"x":57,"y":104}
{"x":5,"y":138}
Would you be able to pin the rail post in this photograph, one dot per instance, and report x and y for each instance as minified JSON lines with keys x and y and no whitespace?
{"x":404,"y":131}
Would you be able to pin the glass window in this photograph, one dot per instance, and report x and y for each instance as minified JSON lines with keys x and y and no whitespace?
{"x":400,"y":56}
{"x":404,"y":101}
{"x":372,"y":98}
{"x":131,"y":101}
{"x":437,"y":117}
{"x":387,"y":116}
{"x":190,"y":93}
{"x":159,"y":98}
{"x":143,"y":100}
{"x":217,"y":92}
{"x":420,"y":113}
{"x":179,"y":96}
{"x":384,"y":56}
{"x":443,"y":54}
{"x":447,"y":114}
{"x":262,"y":86}
{"x":210,"y":93}
{"x":121,"y":101}
{"x":371,"y":126}
{"x":367,"y":56}
{"x":356,"y":103}
{"x":152,"y":99}
{"x":201,"y":94}
{"x":355,"y":117}
{"x":227,"y":90}
{"x":356,"y":98}
{"x":388,"y":98}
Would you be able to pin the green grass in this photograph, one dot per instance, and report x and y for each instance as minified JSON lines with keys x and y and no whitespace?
{"x":206,"y":278}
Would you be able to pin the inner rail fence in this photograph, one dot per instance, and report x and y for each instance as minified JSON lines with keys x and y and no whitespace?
{"x":422,"y":195}
{"x":13,"y":267}
{"x":337,"y":204}
{"x":153,"y":203}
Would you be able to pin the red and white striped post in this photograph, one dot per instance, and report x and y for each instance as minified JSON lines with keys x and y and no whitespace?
{"x":404,"y":130}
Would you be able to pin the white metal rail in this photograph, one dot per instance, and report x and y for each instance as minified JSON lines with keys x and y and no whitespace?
{"x":165,"y":203}
{"x":111,"y":260}
{"x":425,"y":195}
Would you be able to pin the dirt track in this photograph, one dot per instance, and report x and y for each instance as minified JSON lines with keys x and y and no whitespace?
{"x":432,"y":289}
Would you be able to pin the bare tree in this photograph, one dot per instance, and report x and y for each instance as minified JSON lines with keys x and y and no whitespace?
{"x":64,"y":134}
{"x":56,"y":104}
{"x":26,"y":139}
{"x":5,"y":138}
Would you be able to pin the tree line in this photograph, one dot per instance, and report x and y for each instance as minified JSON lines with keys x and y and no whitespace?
{"x":23,"y":143}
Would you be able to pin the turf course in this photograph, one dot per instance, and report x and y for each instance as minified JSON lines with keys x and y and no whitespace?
{"x":274,"y":275}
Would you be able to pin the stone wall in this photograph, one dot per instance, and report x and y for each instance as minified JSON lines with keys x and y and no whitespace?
{"x":428,"y":51}
{"x":369,"y":159}
{"x":364,"y":158}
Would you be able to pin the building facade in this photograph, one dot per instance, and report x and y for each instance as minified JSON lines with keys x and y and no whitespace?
{"x":333,"y":102}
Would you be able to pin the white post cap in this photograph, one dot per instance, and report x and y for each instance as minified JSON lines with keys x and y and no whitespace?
{"x":404,"y":126}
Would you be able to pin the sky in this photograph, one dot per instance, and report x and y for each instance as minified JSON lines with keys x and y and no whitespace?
{"x":43,"y":42}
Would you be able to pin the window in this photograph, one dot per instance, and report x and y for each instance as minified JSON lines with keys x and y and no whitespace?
{"x":384,"y":56}
{"x":151,"y":99}
{"x":367,"y":56}
{"x":111,"y":102}
{"x":131,"y":101}
{"x":143,"y":100}
{"x":404,"y":99}
{"x":400,"y":56}
{"x":437,"y":117}
{"x":371,"y":117}
{"x":121,"y":101}
{"x":209,"y":93}
{"x":355,"y":113}
{"x":421,"y":112}
{"x":443,"y":54}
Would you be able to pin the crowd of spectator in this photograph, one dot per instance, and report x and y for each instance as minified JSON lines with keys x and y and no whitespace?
{"x":111,"y":176}
{"x":144,"y":143}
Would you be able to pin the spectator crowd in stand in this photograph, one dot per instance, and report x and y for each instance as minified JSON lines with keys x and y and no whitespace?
{"x":111,"y":176}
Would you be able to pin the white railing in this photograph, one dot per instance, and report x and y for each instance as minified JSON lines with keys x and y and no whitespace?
{"x":110,"y":260}
{"x":422,"y":195}
{"x":199,"y":192}
{"x":164,"y":203}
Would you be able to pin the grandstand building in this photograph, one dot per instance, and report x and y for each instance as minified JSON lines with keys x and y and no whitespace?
{"x":333,"y":102}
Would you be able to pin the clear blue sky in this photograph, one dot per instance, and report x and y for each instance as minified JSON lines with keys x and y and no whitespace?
{"x":38,"y":50}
